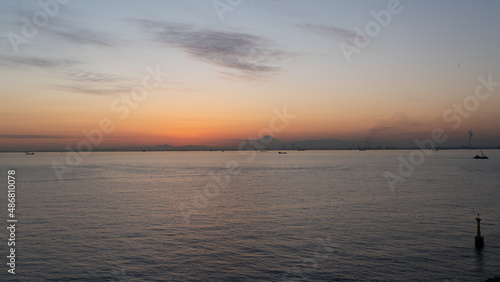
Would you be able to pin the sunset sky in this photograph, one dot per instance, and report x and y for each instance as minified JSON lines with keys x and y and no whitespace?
{"x":66,"y":67}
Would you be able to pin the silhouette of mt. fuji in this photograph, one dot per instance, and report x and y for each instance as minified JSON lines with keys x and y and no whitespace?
{"x":265,"y":143}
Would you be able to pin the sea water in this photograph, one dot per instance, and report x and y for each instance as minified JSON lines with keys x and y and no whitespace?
{"x":264,"y":216}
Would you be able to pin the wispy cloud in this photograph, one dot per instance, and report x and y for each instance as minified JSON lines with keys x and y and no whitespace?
{"x":336,"y":33}
{"x":69,"y":31}
{"x":78,"y":81}
{"x":247,"y":53}
{"x":84,"y":37}
{"x":61,"y":29}
{"x":14,"y":61}
{"x":94,"y":90}
{"x":14,"y":136}
{"x":88,"y":76}
{"x":94,"y":83}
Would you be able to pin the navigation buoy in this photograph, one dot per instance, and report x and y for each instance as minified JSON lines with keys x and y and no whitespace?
{"x":479,"y":238}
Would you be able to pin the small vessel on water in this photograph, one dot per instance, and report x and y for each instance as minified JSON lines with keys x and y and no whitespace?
{"x":282,"y":153}
{"x":482,"y":157}
{"x":29,"y":153}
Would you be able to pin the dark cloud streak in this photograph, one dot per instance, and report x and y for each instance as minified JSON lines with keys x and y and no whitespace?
{"x":103,"y":90}
{"x":84,"y":37}
{"x":86,"y":76}
{"x":336,"y":33}
{"x":239,"y":51}
{"x":94,"y":83}
{"x":38,"y":62}
{"x":14,"y":136}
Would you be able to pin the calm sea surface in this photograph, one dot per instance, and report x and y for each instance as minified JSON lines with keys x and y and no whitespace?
{"x":223,"y":216}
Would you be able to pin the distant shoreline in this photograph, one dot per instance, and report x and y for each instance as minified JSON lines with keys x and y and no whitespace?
{"x":271,"y":150}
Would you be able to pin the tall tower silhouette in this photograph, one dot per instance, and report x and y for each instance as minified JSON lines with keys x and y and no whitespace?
{"x":470,"y":137}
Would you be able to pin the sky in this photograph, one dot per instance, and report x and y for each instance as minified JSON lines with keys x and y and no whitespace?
{"x":142,"y":73}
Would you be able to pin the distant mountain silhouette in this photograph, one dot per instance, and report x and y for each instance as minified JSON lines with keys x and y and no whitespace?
{"x":325,"y":144}
{"x":265,"y":143}
{"x":194,"y":148}
{"x":166,"y":147}
{"x":271,"y":143}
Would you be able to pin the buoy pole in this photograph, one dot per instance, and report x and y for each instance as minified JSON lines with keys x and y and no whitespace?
{"x":479,"y":239}
{"x":478,"y":226}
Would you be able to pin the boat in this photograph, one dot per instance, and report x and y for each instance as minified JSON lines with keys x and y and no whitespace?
{"x":482,"y":157}
{"x":29,"y":153}
{"x":361,"y":149}
{"x":282,"y":153}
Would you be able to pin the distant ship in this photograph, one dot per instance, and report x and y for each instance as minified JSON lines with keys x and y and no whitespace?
{"x":281,"y":152}
{"x":29,"y":153}
{"x":483,"y":157}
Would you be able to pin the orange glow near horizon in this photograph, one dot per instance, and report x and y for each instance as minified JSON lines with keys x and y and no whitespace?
{"x":213,"y":127}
